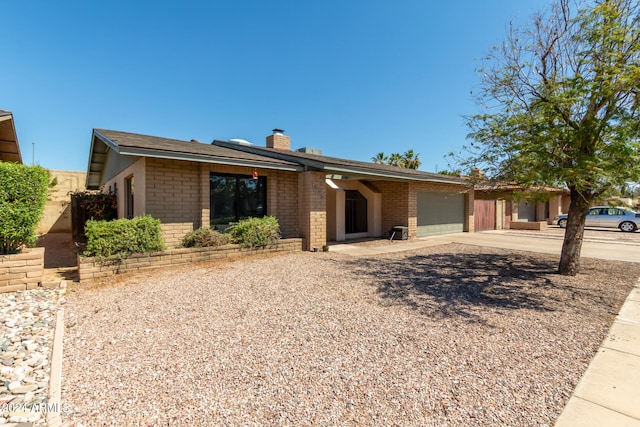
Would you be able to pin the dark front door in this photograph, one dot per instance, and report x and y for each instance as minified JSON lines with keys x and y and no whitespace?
{"x":355,"y":208}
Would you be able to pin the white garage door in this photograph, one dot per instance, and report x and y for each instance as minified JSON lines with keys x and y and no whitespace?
{"x":440,"y":213}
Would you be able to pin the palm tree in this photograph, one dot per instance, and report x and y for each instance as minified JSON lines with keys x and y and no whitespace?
{"x":411,"y":160}
{"x":380,"y":158}
{"x":396,"y":159}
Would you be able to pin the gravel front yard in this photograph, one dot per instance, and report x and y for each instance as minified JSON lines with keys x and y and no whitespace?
{"x":446,"y":336}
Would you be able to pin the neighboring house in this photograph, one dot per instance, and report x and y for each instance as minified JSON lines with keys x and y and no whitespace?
{"x":495,"y":206}
{"x":9,"y":148}
{"x":187,"y":185}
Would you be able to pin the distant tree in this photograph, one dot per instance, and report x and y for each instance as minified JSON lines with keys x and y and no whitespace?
{"x":395,"y":159}
{"x":560,"y":102}
{"x":380,"y":158}
{"x":455,"y":172}
{"x":410,"y":160}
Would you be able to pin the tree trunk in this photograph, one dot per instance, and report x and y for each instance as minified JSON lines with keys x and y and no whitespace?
{"x":572,"y":245}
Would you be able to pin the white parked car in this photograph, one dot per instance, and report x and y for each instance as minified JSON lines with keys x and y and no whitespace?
{"x":608,"y":217}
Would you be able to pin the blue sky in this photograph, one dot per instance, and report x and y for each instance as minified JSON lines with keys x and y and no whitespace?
{"x":350,"y":77}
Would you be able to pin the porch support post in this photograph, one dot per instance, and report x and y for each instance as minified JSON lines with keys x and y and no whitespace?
{"x":204,"y":196}
{"x":340,"y":223}
{"x":312,"y":209}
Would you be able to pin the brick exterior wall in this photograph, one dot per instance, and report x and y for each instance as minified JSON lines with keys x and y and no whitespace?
{"x":22,"y":271}
{"x":395,"y":206}
{"x":312,"y":209}
{"x":90,"y":270}
{"x":177,"y":193}
{"x":282,"y":200}
{"x":173,"y":196}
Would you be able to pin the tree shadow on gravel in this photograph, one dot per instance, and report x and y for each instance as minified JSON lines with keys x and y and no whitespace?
{"x":447,"y":284}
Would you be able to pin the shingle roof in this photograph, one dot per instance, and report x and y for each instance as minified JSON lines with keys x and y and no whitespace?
{"x":349,"y":168}
{"x":488,"y":187}
{"x":232,"y":153}
{"x":132,"y":144}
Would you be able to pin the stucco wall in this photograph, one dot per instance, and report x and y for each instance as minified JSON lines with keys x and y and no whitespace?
{"x":117,"y":186}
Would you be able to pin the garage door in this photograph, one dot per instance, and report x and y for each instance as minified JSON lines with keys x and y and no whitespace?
{"x":440,"y":213}
{"x":526,"y":210}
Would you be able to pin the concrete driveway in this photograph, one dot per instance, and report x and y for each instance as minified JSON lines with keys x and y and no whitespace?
{"x":598,"y":243}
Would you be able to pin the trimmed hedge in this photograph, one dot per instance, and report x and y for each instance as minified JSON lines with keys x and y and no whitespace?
{"x":123,"y":236}
{"x":205,"y":237}
{"x":23,"y":194}
{"x":256,"y":232}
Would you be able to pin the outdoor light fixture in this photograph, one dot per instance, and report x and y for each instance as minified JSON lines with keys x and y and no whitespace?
{"x":255,"y":174}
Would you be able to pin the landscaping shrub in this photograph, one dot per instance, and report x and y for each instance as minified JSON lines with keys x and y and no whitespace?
{"x":123,"y":236}
{"x":86,"y":205}
{"x":256,"y":232}
{"x":96,"y":205}
{"x":205,"y":237}
{"x":23,"y":193}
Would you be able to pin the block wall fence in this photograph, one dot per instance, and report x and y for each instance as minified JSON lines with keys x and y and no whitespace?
{"x":22,"y":271}
{"x":91,"y":269}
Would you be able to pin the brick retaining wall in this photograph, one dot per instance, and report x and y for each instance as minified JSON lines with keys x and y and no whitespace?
{"x":89,"y":269}
{"x":525,"y":225}
{"x":21,"y":271}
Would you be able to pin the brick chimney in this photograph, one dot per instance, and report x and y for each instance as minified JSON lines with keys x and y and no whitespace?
{"x":279,"y":141}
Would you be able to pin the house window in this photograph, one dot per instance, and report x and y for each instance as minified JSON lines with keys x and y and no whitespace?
{"x":128,"y":197}
{"x":235,"y":197}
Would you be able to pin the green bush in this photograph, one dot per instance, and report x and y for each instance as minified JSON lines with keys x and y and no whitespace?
{"x":205,"y":237}
{"x":123,"y":236}
{"x":96,"y":205}
{"x":23,"y":193}
{"x":256,"y":232}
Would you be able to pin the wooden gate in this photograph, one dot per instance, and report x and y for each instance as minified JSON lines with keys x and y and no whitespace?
{"x":484,"y":214}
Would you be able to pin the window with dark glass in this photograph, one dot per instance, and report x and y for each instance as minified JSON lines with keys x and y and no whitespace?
{"x":128,"y":197}
{"x":235,"y":197}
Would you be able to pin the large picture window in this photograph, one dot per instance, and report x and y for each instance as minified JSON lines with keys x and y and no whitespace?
{"x":235,"y":197}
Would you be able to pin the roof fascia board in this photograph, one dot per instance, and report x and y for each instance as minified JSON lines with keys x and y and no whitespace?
{"x":141,"y":152}
{"x":106,"y":140}
{"x":376,"y":174}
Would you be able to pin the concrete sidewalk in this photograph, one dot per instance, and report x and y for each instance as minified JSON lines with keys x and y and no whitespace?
{"x":609,"y":392}
{"x":608,"y":395}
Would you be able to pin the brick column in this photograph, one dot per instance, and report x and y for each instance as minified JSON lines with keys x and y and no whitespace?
{"x":469,"y":224}
{"x":204,"y":195}
{"x":312,"y":209}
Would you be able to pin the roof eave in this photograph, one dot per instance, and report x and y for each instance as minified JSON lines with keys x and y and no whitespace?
{"x":202,"y":158}
{"x":391,"y":175}
{"x":14,"y":155}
